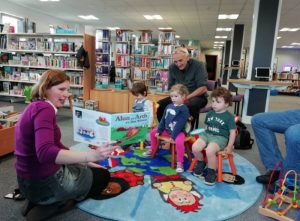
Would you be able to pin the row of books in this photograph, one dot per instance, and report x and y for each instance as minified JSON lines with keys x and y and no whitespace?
{"x":43,"y":44}
{"x":102,"y":81}
{"x":139,"y":74}
{"x":162,"y":63}
{"x":122,"y":73}
{"x":145,"y":37}
{"x":166,"y":37}
{"x":122,"y":61}
{"x":3,"y":41}
{"x":141,"y":61}
{"x":122,"y":48}
{"x":103,"y":35}
{"x":122,"y":35}
{"x":12,"y":88}
{"x":33,"y":75}
{"x":103,"y":59}
{"x":102,"y":47}
{"x":287,"y":75}
{"x":145,"y":50}
{"x":102,"y":69}
{"x":44,"y":61}
{"x":165,"y":49}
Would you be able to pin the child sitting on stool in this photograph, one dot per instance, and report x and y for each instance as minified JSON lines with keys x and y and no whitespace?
{"x":141,"y":103}
{"x":173,"y":124}
{"x":219,"y":135}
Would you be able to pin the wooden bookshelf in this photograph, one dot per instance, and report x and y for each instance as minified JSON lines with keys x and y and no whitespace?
{"x":7,"y":136}
{"x":30,"y":54}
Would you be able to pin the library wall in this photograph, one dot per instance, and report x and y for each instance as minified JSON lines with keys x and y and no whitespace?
{"x":42,"y":21}
{"x":287,"y":57}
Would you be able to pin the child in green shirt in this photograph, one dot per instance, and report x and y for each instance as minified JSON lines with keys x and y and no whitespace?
{"x":219,"y":135}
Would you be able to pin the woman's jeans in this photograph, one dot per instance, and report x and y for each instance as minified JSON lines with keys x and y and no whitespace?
{"x":265,"y":125}
{"x":69,"y":182}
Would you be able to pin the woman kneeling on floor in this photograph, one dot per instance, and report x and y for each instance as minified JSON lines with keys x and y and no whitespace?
{"x":50,"y":176}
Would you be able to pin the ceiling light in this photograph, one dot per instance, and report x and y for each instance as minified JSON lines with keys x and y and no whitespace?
{"x":88,"y":17}
{"x":152,"y":17}
{"x":278,"y":37}
{"x":223,"y":36}
{"x":148,"y":17}
{"x":113,"y":28}
{"x":177,"y":36}
{"x":287,"y":46}
{"x":157,"y":17}
{"x":223,"y":29}
{"x":218,"y":45}
{"x":219,"y":42}
{"x":49,"y":0}
{"x":166,"y":28}
{"x":230,"y":16}
{"x":295,"y":43}
{"x":289,"y":29}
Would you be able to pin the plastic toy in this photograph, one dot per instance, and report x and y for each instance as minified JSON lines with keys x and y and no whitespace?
{"x":285,"y":197}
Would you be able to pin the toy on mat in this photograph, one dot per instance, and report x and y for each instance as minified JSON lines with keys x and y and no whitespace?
{"x":286,"y":197}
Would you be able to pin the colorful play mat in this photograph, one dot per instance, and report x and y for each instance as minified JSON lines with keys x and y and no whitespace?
{"x":157,"y":193}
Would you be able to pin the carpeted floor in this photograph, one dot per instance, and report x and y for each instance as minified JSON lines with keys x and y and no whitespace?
{"x":219,"y":202}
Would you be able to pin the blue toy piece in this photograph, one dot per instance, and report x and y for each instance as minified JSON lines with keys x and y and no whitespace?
{"x":197,"y":131}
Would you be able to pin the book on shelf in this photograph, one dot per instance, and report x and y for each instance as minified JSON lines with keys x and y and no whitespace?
{"x":123,"y":35}
{"x":3,"y":41}
{"x":102,"y":69}
{"x":6,"y":87}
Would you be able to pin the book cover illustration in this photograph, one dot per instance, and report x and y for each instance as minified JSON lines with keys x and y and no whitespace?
{"x":95,"y":128}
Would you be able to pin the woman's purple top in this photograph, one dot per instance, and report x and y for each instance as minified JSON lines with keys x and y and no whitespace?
{"x":37,"y":141}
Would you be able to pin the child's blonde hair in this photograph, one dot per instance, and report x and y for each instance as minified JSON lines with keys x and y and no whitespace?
{"x":180,"y":89}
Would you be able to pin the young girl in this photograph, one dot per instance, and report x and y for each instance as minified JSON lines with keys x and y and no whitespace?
{"x":173,"y":123}
{"x":141,"y":103}
{"x":219,"y":135}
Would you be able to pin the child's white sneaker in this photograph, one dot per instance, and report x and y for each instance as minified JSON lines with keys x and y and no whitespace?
{"x":179,"y":168}
{"x":148,"y":153}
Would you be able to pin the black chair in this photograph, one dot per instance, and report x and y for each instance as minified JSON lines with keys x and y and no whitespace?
{"x":237,"y":99}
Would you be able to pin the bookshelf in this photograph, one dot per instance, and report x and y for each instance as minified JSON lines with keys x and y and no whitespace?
{"x":103,"y":46}
{"x":293,"y":78}
{"x":25,"y":56}
{"x":143,"y":52}
{"x":123,"y":58}
{"x":158,"y":77}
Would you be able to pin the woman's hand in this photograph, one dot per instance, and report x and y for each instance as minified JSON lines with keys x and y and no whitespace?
{"x":102,"y":153}
{"x":95,"y":165}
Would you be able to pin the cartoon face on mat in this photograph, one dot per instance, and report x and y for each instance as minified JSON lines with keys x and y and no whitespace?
{"x":112,"y":188}
{"x":181,"y":197}
{"x":179,"y":192}
{"x":232,"y":179}
{"x":115,"y":187}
